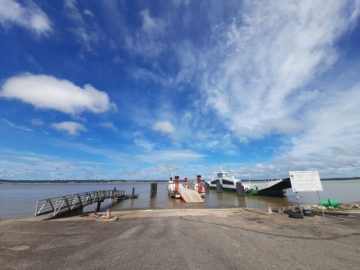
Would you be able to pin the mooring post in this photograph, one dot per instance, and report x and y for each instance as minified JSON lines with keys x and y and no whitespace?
{"x":207,"y":188}
{"x":133,"y":191}
{"x":198,"y":179}
{"x":153,"y":190}
{"x":218,"y":187}
{"x":239,"y":189}
{"x":176,"y":183}
{"x":98,"y":206}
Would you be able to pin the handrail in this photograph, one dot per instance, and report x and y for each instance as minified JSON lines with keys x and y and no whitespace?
{"x":65,"y":203}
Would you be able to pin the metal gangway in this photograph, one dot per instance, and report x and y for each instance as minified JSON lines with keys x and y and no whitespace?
{"x":62,"y":204}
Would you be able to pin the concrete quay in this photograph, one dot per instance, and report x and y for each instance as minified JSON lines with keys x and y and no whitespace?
{"x":182,"y":239}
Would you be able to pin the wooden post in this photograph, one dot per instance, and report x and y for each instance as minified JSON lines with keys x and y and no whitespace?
{"x":207,"y":188}
{"x":218,"y":186}
{"x":98,"y":206}
{"x":153,"y":190}
{"x":239,"y":189}
{"x":133,"y":191}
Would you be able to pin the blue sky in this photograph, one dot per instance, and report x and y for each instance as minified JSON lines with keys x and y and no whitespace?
{"x":129,"y":89}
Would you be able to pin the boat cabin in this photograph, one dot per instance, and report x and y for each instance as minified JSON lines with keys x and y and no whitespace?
{"x":222,"y":174}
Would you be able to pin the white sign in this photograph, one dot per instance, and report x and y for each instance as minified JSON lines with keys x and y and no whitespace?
{"x":304,"y":181}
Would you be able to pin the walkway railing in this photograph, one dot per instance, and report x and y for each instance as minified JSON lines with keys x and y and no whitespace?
{"x":62,"y":204}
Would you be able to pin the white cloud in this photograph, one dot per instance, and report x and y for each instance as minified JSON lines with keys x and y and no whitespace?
{"x":72,"y":128}
{"x":332,"y":136}
{"x":144,"y":144}
{"x":86,"y":31}
{"x":13,"y":125}
{"x":29,"y":16}
{"x":179,"y":156}
{"x":16,"y":165}
{"x":164,"y":127}
{"x":48,"y":92}
{"x":256,"y":73}
{"x":109,"y":125}
{"x":150,"y":23}
{"x":88,"y":13}
{"x":37,"y":122}
{"x":147,"y":41}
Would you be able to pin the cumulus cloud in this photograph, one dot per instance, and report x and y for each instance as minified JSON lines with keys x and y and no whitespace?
{"x":164,"y":127}
{"x":72,"y":128}
{"x":48,"y":92}
{"x":28,"y":16}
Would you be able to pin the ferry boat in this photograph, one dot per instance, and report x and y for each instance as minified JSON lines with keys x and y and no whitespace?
{"x":275,"y":187}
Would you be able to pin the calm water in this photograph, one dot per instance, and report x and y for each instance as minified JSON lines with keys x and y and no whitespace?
{"x":19,"y":200}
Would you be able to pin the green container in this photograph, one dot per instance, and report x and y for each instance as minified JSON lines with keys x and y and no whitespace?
{"x":253,"y":192}
{"x":329,"y":202}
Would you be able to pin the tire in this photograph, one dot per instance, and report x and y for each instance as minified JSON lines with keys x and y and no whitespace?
{"x":296,"y":215}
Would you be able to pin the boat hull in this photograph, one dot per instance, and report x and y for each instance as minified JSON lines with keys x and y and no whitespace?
{"x":275,"y":189}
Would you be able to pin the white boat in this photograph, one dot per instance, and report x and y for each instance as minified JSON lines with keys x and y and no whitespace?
{"x":267,"y":188}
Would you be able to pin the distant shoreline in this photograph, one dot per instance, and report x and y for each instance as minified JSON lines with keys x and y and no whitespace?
{"x":3,"y":181}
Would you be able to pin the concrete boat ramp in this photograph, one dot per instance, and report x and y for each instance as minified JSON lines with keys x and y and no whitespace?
{"x":182,"y":239}
{"x":189,"y":195}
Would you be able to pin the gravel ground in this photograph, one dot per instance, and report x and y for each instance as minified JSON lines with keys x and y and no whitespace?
{"x":182,"y":239}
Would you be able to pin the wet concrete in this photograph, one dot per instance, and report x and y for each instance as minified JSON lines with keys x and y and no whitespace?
{"x":182,"y":239}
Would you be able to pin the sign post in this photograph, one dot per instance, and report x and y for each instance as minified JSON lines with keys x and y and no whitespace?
{"x":305,"y":181}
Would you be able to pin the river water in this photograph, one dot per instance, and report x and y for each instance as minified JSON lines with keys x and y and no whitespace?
{"x":19,"y":200}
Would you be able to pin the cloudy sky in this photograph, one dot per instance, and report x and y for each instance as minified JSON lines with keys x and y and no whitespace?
{"x":129,"y":89}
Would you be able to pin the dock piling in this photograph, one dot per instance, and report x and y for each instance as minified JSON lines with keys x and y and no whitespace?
{"x":240,"y":189}
{"x":98,"y":206}
{"x":153,"y":190}
{"x":207,"y":188}
{"x":218,"y":187}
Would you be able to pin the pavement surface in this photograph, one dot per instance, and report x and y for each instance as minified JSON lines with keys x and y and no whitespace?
{"x":182,"y":239}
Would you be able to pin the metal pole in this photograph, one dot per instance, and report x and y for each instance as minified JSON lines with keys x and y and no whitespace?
{"x":298,"y":198}
{"x":323,"y":213}
{"x":37,"y":206}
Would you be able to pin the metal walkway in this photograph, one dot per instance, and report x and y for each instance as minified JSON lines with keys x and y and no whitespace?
{"x":63,"y":204}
